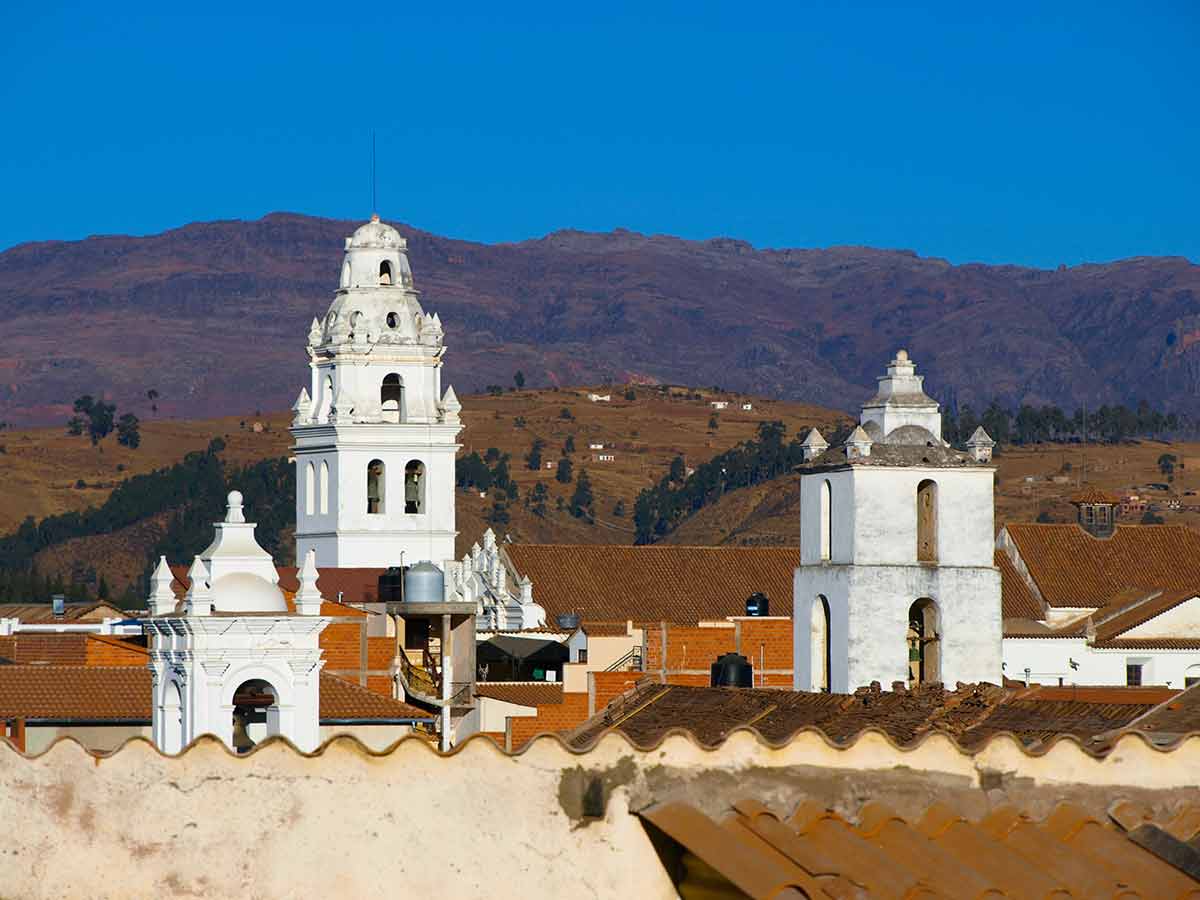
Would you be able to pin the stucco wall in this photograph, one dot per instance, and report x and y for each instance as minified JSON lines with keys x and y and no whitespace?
{"x":347,"y":823}
{"x":1048,"y":660}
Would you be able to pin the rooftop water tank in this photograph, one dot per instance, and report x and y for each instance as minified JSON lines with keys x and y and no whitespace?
{"x":732,"y":670}
{"x":424,"y":583}
{"x":757,"y":604}
{"x":391,"y":585}
{"x":567,"y":621}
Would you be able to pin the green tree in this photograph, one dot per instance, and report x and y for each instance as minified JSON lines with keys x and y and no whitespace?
{"x":713,"y":422}
{"x":538,"y":500}
{"x":75,"y":425}
{"x":569,"y":444}
{"x":582,"y":501}
{"x":533,"y":459}
{"x":519,"y":379}
{"x":128,"y":434}
{"x":630,"y":395}
{"x":1166,"y":463}
{"x":678,"y":470}
{"x":563,"y":473}
{"x":152,"y":396}
{"x":619,"y":509}
{"x":565,"y":413}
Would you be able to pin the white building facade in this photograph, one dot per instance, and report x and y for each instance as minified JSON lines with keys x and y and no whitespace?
{"x":232,"y":660}
{"x":896,"y":581}
{"x":375,"y":434}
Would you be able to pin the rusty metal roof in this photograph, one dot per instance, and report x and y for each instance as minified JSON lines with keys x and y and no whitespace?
{"x":816,"y":852}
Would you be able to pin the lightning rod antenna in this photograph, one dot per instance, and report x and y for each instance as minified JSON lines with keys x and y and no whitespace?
{"x":374,"y":203}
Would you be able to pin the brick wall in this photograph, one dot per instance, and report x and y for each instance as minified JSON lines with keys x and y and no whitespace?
{"x":691,"y":650}
{"x":607,"y":685}
{"x":571,"y":713}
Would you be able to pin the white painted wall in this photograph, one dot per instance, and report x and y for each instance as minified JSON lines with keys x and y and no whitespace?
{"x":1048,"y":660}
{"x":1181,"y":622}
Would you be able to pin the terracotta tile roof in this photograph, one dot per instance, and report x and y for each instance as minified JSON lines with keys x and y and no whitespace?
{"x":1017,"y":600}
{"x":971,"y":714}
{"x":123,"y":693}
{"x":41,"y":613}
{"x":1072,"y":568}
{"x":523,"y":693}
{"x":1094,"y":495}
{"x":66,"y":692}
{"x":26,"y":648}
{"x":816,"y":852}
{"x":1160,"y":643}
{"x":1175,"y":716}
{"x":342,"y":699}
{"x":681,"y":585}
{"x":1139,"y":611}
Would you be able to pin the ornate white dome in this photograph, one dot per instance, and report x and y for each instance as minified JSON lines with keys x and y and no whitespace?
{"x":376,"y":235}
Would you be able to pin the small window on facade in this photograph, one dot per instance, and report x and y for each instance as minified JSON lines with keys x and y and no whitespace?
{"x":1102,"y":515}
{"x":1133,"y":674}
{"x":376,"y":487}
{"x":583,"y":655}
{"x":1089,"y":515}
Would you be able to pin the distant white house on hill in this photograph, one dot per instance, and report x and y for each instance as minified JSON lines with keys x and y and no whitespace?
{"x":600,"y":398}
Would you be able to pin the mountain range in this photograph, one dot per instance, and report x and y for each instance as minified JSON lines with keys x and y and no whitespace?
{"x":214,"y":317}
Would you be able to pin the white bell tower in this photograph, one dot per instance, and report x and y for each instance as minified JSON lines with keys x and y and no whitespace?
{"x":897,"y":581}
{"x":375,"y":436}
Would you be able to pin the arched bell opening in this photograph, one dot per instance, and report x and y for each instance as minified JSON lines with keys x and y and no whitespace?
{"x":414,"y":487}
{"x":376,"y":487}
{"x":391,"y":398}
{"x":820,"y":645}
{"x":924,"y":643}
{"x":255,"y":713}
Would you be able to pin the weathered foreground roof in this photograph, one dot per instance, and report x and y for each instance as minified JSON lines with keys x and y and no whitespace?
{"x":971,"y":714}
{"x":816,"y":852}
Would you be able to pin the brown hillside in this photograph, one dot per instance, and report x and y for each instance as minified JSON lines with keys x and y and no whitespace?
{"x":643,"y":436}
{"x":214,"y":316}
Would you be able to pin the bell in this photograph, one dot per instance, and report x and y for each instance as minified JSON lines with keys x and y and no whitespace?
{"x":241,"y":740}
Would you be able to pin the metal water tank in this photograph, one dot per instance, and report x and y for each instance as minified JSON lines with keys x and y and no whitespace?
{"x":732,"y":670}
{"x":391,"y":585}
{"x":568,"y":621}
{"x":757,"y":604}
{"x":424,"y":583}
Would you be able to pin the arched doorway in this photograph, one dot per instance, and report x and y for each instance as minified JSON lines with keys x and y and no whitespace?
{"x":819,"y":645}
{"x":255,"y":713}
{"x":924,"y":643}
{"x":391,"y":398}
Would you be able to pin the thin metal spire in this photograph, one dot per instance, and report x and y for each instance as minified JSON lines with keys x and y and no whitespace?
{"x":374,"y":203}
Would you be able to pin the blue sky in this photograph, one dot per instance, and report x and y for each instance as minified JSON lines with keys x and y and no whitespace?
{"x":1035,"y":134}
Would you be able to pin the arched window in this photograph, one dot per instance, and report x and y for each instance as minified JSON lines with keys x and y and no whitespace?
{"x":414,"y":487}
{"x":924,"y":643}
{"x":376,"y":487}
{"x":1191,"y":675}
{"x":310,"y":489}
{"x":345,"y":282}
{"x":819,"y":649}
{"x":385,"y":272}
{"x":255,"y":713}
{"x":172,"y":723}
{"x":391,"y":398}
{"x":826,"y":520}
{"x":324,"y":488}
{"x":927,"y":521}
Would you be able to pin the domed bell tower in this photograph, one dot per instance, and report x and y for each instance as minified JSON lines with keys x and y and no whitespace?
{"x":375,"y":436}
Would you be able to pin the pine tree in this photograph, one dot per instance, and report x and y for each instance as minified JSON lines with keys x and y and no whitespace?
{"x":563,"y":474}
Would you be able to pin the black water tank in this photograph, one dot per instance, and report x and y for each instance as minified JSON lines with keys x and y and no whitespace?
{"x":391,"y":585}
{"x":757,"y":604}
{"x":732,"y":670}
{"x":568,"y":621}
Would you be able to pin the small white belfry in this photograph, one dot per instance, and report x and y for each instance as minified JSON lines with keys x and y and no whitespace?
{"x":231,"y":660}
{"x":375,"y":434}
{"x":897,"y":581}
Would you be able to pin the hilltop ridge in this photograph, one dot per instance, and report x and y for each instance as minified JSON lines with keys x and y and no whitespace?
{"x":202,"y":311}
